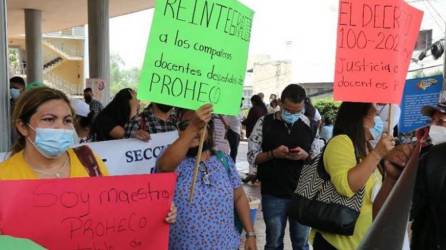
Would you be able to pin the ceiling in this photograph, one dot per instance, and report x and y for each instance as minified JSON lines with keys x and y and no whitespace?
{"x":61,"y":14}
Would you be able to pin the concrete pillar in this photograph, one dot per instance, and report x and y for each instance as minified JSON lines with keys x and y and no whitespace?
{"x":99,"y":43}
{"x":33,"y":37}
{"x":5,"y":120}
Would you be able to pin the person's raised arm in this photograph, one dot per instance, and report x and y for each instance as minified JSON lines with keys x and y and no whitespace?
{"x":394,"y":164}
{"x":117,"y":132}
{"x":176,"y":152}
{"x":358,"y":176}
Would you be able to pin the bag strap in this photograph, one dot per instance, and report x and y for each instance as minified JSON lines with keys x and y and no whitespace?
{"x":221,"y":157}
{"x":87,"y":158}
{"x":326,"y":176}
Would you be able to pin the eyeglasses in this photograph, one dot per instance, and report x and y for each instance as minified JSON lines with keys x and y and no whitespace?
{"x":204,"y":174}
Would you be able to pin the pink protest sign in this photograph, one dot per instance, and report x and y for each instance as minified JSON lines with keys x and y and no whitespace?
{"x":100,"y":213}
{"x":374,"y":47}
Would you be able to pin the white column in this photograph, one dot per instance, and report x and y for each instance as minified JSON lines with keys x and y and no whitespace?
{"x":99,"y":43}
{"x":5,"y":119}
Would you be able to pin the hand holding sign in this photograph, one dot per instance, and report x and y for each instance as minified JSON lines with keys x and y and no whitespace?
{"x":374,"y":46}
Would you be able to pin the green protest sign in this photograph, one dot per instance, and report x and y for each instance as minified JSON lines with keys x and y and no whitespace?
{"x":196,"y":54}
{"x":11,"y":243}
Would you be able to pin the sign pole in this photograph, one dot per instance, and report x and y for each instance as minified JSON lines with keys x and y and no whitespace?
{"x":197,"y":163}
{"x":389,"y":124}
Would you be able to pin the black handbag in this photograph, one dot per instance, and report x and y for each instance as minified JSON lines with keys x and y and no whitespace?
{"x":317,"y":204}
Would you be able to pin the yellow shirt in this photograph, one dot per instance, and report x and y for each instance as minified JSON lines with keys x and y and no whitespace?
{"x":339,"y":158}
{"x":16,"y":168}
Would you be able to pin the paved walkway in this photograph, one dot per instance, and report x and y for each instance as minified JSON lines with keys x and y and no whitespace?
{"x":253,"y":191}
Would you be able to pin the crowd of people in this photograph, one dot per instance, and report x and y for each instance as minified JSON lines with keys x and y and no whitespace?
{"x":358,"y":154}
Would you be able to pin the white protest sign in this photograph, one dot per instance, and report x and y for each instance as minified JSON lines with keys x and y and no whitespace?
{"x":97,"y":86}
{"x":130,"y":156}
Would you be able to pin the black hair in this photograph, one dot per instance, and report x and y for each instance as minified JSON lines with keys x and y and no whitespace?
{"x":119,"y":107}
{"x":88,"y":90}
{"x":274,"y":103}
{"x":294,"y":93}
{"x":258,"y":102}
{"x":328,"y":121}
{"x":350,"y":122}
{"x":210,"y":126}
{"x":17,"y":79}
{"x":85,"y":122}
{"x":310,"y":110}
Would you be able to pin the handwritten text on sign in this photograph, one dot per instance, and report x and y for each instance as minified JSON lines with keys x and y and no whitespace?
{"x":374,"y":47}
{"x":196,"y":54}
{"x":119,"y":212}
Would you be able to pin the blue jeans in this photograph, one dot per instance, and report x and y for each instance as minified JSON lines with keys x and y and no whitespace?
{"x":275,"y":214}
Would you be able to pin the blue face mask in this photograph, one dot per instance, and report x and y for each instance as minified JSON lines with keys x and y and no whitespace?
{"x":52,"y":143}
{"x":15,"y":93}
{"x":291,"y":118}
{"x":378,"y":129}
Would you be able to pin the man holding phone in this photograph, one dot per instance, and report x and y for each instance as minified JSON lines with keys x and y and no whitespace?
{"x":278,"y":146}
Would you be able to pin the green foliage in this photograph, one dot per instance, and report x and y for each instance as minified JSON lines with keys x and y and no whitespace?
{"x":120,"y":76}
{"x":328,"y":108}
{"x":13,"y":57}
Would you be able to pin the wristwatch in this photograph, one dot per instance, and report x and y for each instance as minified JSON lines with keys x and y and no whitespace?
{"x":250,"y":234}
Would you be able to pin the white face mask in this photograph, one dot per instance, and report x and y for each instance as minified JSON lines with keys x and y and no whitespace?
{"x":437,"y":134}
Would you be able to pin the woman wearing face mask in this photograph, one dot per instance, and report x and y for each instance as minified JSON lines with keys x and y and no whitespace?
{"x":110,"y":123}
{"x":208,"y":221}
{"x":353,"y":164}
{"x":43,"y":119}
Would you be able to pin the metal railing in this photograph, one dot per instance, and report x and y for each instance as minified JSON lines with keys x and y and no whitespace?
{"x":54,"y":81}
{"x":65,"y":48}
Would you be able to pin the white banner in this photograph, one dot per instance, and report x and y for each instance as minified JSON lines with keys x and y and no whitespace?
{"x":130,"y":156}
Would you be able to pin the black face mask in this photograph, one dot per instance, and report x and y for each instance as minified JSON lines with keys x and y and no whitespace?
{"x":88,"y":98}
{"x":192,"y":152}
{"x":164,"y":108}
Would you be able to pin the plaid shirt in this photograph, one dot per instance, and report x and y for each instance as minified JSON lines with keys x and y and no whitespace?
{"x":96,"y":107}
{"x":150,"y":123}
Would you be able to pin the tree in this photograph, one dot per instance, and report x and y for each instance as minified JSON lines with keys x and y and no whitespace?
{"x":328,"y":108}
{"x":120,"y":76}
{"x":13,"y":57}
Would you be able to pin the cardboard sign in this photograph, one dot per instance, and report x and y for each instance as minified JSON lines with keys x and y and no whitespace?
{"x":417,"y":94}
{"x":97,"y":85}
{"x":196,"y":54}
{"x":11,"y":243}
{"x":119,"y":212}
{"x":374,"y":46}
{"x":132,"y":156}
{"x":388,"y":230}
